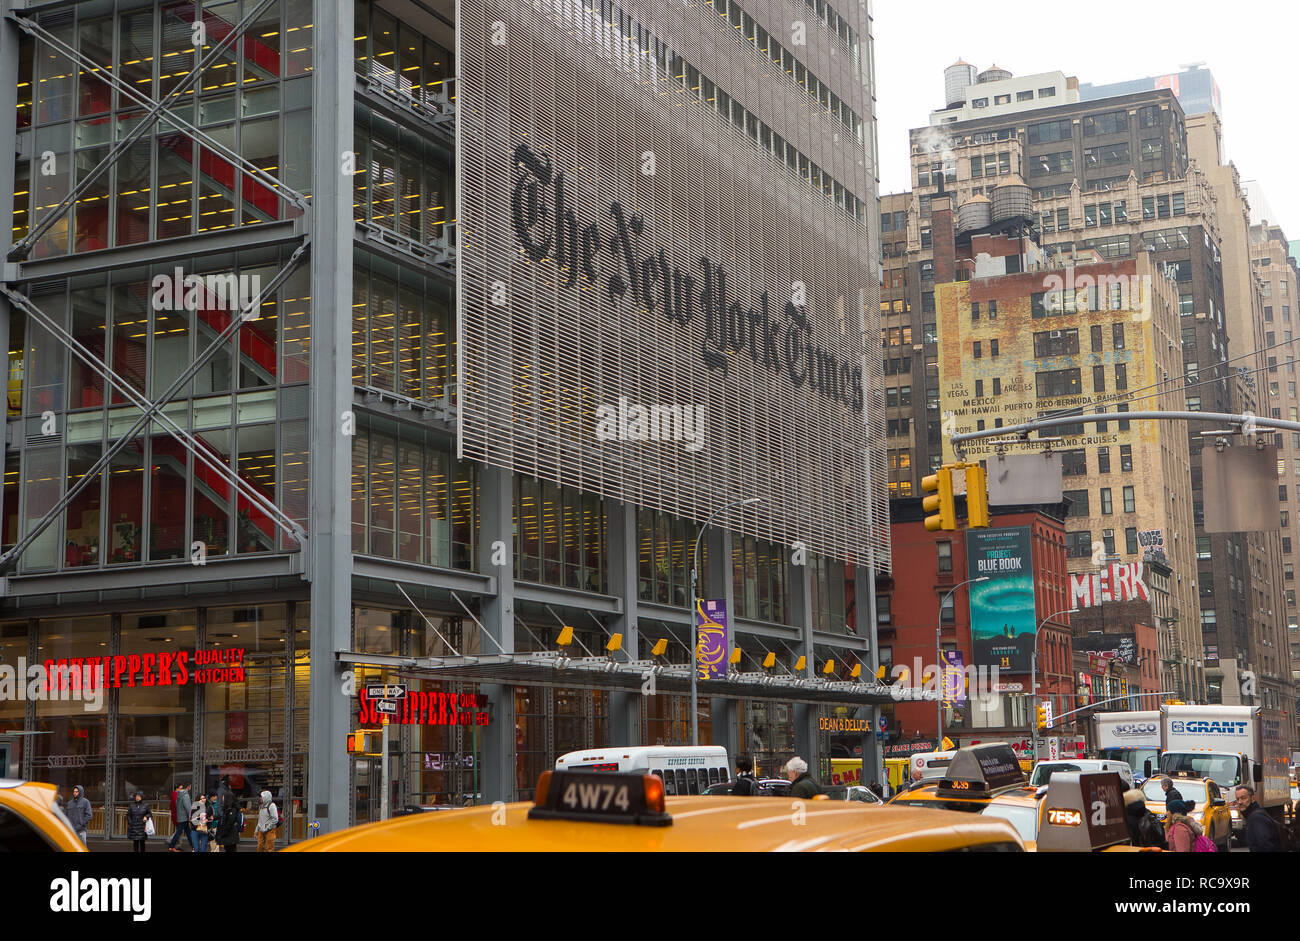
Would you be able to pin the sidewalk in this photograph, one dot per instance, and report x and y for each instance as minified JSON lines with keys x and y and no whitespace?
{"x":156,"y":845}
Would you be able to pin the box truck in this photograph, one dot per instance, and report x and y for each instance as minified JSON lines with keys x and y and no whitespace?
{"x":1131,"y":737}
{"x":1231,"y":744}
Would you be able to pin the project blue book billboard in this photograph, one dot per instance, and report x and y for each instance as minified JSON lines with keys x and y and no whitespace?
{"x":1002,"y":608}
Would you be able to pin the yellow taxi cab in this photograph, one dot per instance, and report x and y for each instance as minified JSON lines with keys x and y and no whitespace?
{"x":31,"y":821}
{"x":579,"y":811}
{"x":971,"y":779}
{"x":1219,"y":821}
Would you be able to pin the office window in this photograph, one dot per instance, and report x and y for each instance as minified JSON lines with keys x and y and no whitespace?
{"x":1058,"y":382}
{"x":979,"y":388}
{"x":977,"y":349}
{"x":1078,"y":544}
{"x":1130,"y":503}
{"x":945,"y":556}
{"x":997,"y":386}
{"x":993,"y":347}
{"x":1094,"y":333}
{"x":1111,"y":123}
{"x":1078,"y":500}
{"x":1056,"y":342}
{"x":1131,"y":540}
{"x":1126,"y":457}
{"x":1049,"y":92}
{"x":1002,"y":99}
{"x":1121,"y":376}
{"x":1108,"y":540}
{"x":1203,"y":547}
{"x":1074,"y":463}
{"x":1025,"y":95}
{"x":1103,"y":460}
{"x":993,"y":310}
{"x":1098,"y":378}
{"x":1049,"y":131}
{"x":1123,"y":422}
{"x":1106,"y":505}
{"x":975,"y":310}
{"x":1117,"y":335}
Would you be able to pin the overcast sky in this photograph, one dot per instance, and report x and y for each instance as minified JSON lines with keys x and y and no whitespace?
{"x":1251,"y":46}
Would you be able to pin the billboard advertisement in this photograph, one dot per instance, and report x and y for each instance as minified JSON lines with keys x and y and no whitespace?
{"x":1002,"y":608}
{"x":667,"y":268}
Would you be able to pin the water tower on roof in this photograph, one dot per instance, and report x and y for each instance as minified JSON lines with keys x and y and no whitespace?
{"x":956,"y":79}
{"x":993,"y":74}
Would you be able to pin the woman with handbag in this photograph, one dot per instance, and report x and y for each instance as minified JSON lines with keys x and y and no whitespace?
{"x":139,"y":822}
{"x":199,"y":824}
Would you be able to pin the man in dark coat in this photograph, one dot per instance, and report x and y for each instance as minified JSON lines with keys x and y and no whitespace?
{"x":79,"y":812}
{"x":802,"y":784}
{"x":745,"y":785}
{"x":1171,"y":792}
{"x":1262,"y":832}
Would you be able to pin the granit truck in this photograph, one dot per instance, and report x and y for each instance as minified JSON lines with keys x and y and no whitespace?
{"x":1231,"y":744}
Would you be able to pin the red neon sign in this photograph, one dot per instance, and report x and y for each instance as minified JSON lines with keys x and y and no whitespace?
{"x":165,"y":668}
{"x":427,"y":708}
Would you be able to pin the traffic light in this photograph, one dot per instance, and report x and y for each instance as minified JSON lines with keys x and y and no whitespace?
{"x":1042,"y":715}
{"x":977,"y":496}
{"x":939,"y":486}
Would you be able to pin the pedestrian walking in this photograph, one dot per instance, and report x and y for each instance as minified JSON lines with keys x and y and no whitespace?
{"x":1171,"y":793}
{"x":214,"y":818}
{"x":79,"y":812}
{"x":745,"y":785}
{"x":1183,"y":830}
{"x":139,"y":816}
{"x":181,"y":807}
{"x":1143,"y":827}
{"x":199,"y":825}
{"x":268,"y":819}
{"x":1263,"y":835}
{"x":802,"y":784}
{"x":229,"y":828}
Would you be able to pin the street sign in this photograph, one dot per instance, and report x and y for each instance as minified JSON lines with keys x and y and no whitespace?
{"x":386,"y":706}
{"x":1008,"y":687}
{"x":391,"y":691}
{"x":1047,"y":706}
{"x":1053,"y":749}
{"x":882,"y":723}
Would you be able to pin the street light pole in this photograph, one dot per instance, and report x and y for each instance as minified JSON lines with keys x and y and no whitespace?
{"x":938,"y":661}
{"x":1033,"y":681}
{"x":695,"y":632}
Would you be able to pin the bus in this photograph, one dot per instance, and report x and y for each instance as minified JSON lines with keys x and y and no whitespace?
{"x":684,"y":769}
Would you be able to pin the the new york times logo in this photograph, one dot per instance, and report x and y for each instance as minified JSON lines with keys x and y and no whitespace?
{"x":547,"y":227}
{"x":103,"y":894}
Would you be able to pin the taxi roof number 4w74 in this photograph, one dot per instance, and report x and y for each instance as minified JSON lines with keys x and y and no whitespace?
{"x":607,"y":798}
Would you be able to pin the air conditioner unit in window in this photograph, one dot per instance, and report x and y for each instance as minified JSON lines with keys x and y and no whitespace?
{"x":1055,"y":334}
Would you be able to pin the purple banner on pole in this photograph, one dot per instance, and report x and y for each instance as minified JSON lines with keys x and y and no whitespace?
{"x":712,"y":639}
{"x":954,"y":677}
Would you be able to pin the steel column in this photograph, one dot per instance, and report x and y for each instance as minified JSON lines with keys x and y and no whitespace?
{"x":621,"y":552}
{"x":332,"y":422}
{"x":801,"y":609}
{"x":495,"y":555}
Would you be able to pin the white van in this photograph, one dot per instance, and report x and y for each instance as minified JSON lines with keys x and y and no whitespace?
{"x":1044,"y":770}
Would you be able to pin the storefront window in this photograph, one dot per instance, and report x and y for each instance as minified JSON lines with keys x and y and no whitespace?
{"x":530,"y":739}
{"x":71,"y":746}
{"x":13,"y":646}
{"x":243,"y":727}
{"x":668,"y":720}
{"x":376,"y":630}
{"x":155,"y":723}
{"x":768,"y":735}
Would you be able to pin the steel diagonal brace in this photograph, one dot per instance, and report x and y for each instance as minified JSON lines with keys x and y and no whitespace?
{"x":249,"y":312}
{"x":190,"y":443}
{"x":20,"y":250}
{"x":106,"y":75}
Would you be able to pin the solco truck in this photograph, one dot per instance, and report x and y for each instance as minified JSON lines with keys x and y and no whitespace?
{"x":1132,"y":737}
{"x":1231,"y":744}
